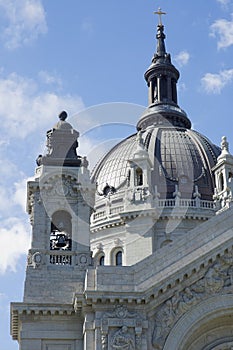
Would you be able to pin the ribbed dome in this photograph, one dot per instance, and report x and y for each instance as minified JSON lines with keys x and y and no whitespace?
{"x":157,"y":184}
{"x":165,"y":166}
{"x":179,"y":156}
{"x":181,"y":159}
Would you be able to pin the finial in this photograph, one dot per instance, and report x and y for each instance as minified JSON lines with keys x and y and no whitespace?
{"x":224,"y":144}
{"x":160,"y":13}
{"x":62,"y":116}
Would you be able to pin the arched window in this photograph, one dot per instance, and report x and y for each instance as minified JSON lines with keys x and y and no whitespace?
{"x":118,"y":258}
{"x":101,"y":260}
{"x":138,"y":177}
{"x":61,"y":231}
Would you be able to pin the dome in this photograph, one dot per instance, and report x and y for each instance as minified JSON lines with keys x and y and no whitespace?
{"x":179,"y":157}
{"x":157,"y":184}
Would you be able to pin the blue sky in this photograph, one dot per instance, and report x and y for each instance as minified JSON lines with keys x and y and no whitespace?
{"x":89,"y":57}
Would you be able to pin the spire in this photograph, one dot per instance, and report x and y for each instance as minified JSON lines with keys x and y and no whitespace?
{"x":161,"y":50}
{"x":161,"y":78}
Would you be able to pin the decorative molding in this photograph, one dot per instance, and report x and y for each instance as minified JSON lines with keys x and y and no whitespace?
{"x":122,"y":329}
{"x":59,"y":186}
{"x":218,"y":279}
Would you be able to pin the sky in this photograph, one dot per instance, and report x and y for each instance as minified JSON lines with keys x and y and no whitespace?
{"x":89,"y":58}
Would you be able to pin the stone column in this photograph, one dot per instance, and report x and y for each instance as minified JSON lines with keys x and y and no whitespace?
{"x":159,"y":88}
{"x":89,"y":333}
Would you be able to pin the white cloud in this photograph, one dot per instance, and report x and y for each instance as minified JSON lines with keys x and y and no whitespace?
{"x":14,"y":231}
{"x":224,"y":2}
{"x":223,"y":30}
{"x":7,"y":168}
{"x":214,"y":83}
{"x":11,"y":197}
{"x":15,"y":238}
{"x":20,"y":192}
{"x":6,"y":201}
{"x":31,"y":109}
{"x":182,"y":58}
{"x":26,"y":21}
{"x":49,"y":79}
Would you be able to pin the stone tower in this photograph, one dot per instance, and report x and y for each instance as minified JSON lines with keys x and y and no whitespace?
{"x":59,"y":202}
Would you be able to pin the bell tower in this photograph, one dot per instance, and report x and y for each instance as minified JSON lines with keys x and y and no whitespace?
{"x":59,"y":203}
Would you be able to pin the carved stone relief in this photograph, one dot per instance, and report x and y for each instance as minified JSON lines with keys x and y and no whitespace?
{"x":138,"y":194}
{"x":123,"y":339}
{"x":59,"y":186}
{"x":122,"y":329}
{"x":217,"y":279}
{"x":34,"y":198}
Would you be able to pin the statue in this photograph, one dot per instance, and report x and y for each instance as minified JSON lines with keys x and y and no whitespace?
{"x":122,"y":340}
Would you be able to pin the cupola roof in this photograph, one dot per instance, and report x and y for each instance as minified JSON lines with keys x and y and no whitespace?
{"x":162,"y":77}
{"x":181,"y":159}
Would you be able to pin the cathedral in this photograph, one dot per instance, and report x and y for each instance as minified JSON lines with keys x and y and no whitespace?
{"x":138,"y":254}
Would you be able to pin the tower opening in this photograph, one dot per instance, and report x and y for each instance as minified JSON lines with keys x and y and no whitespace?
{"x":61,"y":231}
{"x":138,"y":177}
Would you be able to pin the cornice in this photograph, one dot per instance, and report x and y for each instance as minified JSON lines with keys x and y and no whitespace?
{"x":173,"y":267}
{"x":19,"y":310}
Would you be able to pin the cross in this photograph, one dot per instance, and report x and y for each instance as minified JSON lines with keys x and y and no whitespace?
{"x":160,"y":13}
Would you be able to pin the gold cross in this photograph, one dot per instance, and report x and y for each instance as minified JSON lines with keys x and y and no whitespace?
{"x":160,"y":13}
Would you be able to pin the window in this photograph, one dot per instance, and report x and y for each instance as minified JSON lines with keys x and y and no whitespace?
{"x":118,"y":258}
{"x":101,"y":260}
{"x":138,"y":177}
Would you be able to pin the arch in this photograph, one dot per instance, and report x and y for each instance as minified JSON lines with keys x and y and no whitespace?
{"x":211,"y":319}
{"x":117,"y":257}
{"x":99,"y":256}
{"x":61,"y":231}
{"x":101,"y":260}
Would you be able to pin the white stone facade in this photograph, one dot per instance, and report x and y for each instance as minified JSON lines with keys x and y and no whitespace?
{"x":180,"y":297}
